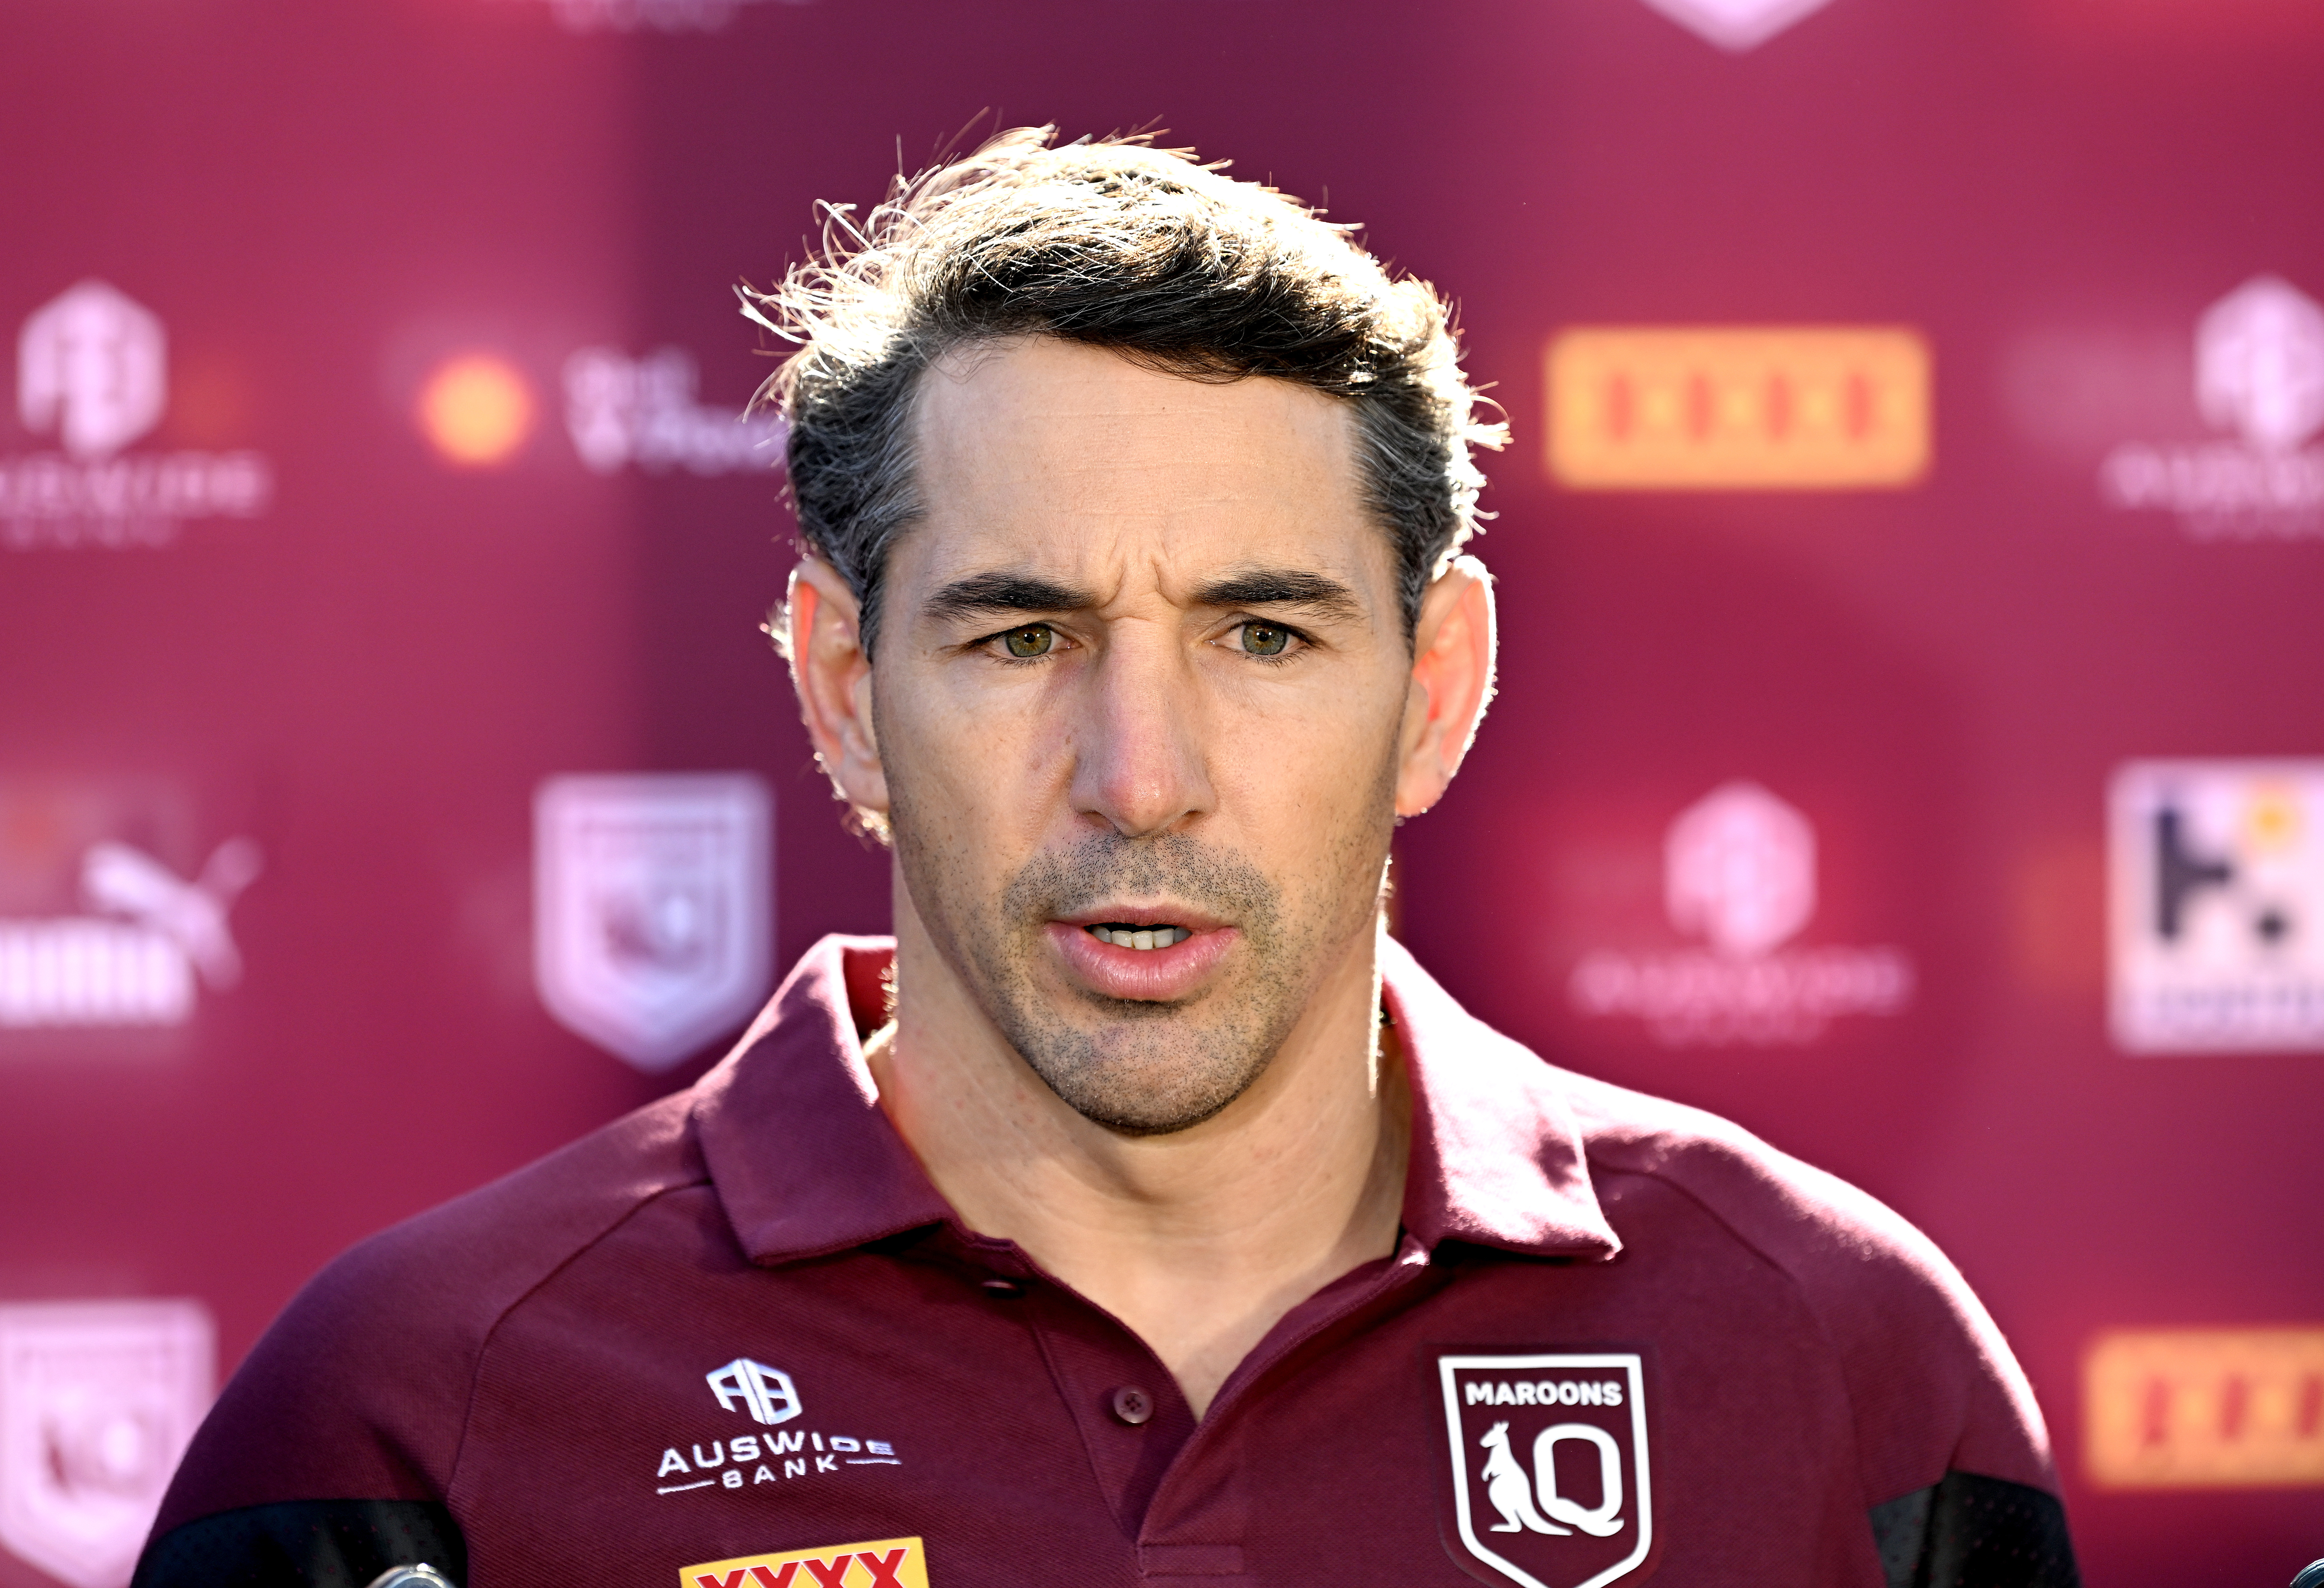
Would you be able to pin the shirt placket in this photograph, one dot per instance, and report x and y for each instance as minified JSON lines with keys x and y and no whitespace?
{"x":1177,"y":1487}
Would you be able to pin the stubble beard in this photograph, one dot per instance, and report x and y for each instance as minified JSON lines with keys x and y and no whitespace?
{"x":1140,"y":1068}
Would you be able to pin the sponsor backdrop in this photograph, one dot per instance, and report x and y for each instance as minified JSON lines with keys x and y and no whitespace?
{"x":1911,"y":553}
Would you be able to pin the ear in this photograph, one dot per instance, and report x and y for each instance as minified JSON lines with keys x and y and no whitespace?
{"x":1453,"y":660}
{"x":834,"y":679}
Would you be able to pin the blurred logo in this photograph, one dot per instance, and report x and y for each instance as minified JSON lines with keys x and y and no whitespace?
{"x":1739,"y":871}
{"x":97,"y":1401}
{"x":622,"y":410}
{"x":885,"y":1563}
{"x":2216,"y":901}
{"x":1737,"y":24}
{"x":651,"y":917}
{"x":2259,"y":372}
{"x":92,"y":369}
{"x":2205,"y":1409}
{"x":657,"y":16}
{"x":89,"y":367}
{"x":134,"y":960}
{"x":476,"y":409}
{"x":1728,"y":409}
{"x":1550,"y":1479}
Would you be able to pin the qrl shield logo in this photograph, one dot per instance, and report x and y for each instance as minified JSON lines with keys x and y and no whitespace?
{"x":651,"y":908}
{"x":97,"y":1400}
{"x":1550,"y":1479}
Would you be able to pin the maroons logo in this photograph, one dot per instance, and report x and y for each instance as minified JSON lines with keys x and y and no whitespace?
{"x":1550,"y":1478}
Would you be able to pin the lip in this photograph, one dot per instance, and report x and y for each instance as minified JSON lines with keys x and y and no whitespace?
{"x":1142,"y":975}
{"x":1160,"y":910}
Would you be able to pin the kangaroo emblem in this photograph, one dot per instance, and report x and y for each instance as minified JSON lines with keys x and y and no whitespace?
{"x":1509,"y":1488}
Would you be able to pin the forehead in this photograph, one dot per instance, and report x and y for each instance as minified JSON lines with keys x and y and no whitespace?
{"x":1054,"y":455}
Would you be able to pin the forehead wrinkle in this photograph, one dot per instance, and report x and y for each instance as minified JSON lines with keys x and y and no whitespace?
{"x":1068,"y":466}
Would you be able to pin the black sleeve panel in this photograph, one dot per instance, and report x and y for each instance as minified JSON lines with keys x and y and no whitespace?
{"x":305,"y":1543}
{"x":1975,"y":1532}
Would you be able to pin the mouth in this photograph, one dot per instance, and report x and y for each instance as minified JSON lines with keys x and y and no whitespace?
{"x":1145,"y":938}
{"x":1156,"y":955}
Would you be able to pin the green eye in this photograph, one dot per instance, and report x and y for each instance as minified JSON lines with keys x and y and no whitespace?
{"x":1033,"y":639}
{"x":1264,"y":639}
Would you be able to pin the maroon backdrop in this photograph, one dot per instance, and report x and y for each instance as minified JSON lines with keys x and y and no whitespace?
{"x":367,"y":662}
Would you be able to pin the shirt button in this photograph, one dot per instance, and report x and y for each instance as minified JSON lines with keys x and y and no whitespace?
{"x":1002,"y":1289}
{"x":1132,"y":1405}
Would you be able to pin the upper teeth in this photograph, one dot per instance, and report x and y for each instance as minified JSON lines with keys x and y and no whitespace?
{"x":1140,"y":936}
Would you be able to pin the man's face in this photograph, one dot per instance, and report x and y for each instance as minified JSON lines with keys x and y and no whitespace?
{"x":1138,"y":696}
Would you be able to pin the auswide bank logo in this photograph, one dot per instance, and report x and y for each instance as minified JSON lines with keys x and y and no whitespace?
{"x":652,"y":917}
{"x":734,"y":1461}
{"x":2216,"y":894}
{"x":2259,"y":373}
{"x":92,"y":370}
{"x":622,"y":410}
{"x":134,"y":957}
{"x":1550,"y":1483}
{"x":765,"y":1392}
{"x":97,"y":1401}
{"x":1739,"y":873}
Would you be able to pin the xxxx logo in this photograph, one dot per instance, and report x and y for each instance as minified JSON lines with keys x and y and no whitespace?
{"x":885,"y":1563}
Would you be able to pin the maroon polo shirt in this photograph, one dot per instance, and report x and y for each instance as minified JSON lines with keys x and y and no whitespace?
{"x":1618,"y":1339}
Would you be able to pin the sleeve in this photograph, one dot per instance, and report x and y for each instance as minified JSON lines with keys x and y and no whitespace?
{"x":1974,"y":1532}
{"x":1957,"y":1470}
{"x":312,"y":1543}
{"x":326,"y":1460}
{"x":1953,"y":1458}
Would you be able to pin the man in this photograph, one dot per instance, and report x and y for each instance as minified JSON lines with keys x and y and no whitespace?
{"x":1142,"y":1214}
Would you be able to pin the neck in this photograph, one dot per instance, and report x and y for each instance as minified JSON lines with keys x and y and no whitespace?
{"x":1199,"y":1240}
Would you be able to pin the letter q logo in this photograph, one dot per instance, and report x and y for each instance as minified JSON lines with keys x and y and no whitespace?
{"x":765,"y":1392}
{"x":1602,"y":1520}
{"x":90,"y":364}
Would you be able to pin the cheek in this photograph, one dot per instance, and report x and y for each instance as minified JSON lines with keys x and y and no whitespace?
{"x":1316,"y":786}
{"x":973,"y":772}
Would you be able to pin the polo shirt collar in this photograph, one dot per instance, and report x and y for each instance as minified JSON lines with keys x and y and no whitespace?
{"x":806,"y":1164}
{"x":790,"y":1125}
{"x":1497,"y":1156}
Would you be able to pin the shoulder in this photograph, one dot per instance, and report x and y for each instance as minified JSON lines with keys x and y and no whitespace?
{"x":1933,"y":1383}
{"x":361,"y":1386}
{"x":1826,"y":1234}
{"x":474,"y":1257}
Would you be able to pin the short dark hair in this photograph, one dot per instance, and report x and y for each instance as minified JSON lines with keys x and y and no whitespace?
{"x":1121,"y":245}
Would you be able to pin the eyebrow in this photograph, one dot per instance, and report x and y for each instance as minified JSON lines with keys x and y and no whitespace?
{"x":1268,"y":586}
{"x":995,"y":593}
{"x":979,"y":594}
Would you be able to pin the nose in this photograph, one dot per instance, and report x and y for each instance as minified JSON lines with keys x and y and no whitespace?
{"x":1138,"y":762}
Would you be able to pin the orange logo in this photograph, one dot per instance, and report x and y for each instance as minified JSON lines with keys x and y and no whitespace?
{"x":1754,"y":408}
{"x":885,"y":1563}
{"x":2205,"y":1409}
